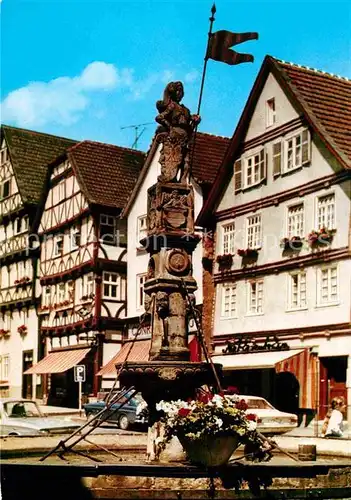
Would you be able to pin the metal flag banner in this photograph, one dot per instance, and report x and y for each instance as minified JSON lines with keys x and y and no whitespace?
{"x":220,"y":43}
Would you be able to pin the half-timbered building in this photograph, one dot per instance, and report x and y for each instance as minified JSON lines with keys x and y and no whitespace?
{"x":82,"y":268}
{"x":24,"y":156}
{"x":281,"y":208}
{"x":208,"y":153}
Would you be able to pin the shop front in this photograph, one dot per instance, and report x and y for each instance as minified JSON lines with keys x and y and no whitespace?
{"x":287,"y":378}
{"x":57,"y":368}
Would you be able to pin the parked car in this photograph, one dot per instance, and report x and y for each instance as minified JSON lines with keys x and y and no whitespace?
{"x":133,"y":412}
{"x":269,"y":419}
{"x":23,"y":417}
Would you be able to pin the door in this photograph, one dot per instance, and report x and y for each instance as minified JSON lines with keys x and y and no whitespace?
{"x":27,"y":380}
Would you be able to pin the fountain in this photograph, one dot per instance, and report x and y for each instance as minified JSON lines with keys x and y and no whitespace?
{"x":170,"y":286}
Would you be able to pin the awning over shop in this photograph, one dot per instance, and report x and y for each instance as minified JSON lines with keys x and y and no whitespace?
{"x":255,"y":360}
{"x":58,"y":361}
{"x":139,"y":352}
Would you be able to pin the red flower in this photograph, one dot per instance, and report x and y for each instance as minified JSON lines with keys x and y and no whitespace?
{"x":205,"y":397}
{"x":231,"y":389}
{"x":184,"y":412}
{"x":241,"y":405}
{"x":251,"y":416}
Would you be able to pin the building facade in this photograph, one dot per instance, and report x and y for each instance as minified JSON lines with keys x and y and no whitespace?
{"x":281,"y":209}
{"x":82,"y":265}
{"x":24,"y":156}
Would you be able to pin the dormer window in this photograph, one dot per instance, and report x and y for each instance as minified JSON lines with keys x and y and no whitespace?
{"x":5,"y":189}
{"x":270,"y":112}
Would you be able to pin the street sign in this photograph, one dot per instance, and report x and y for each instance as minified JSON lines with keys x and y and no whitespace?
{"x":79,"y":373}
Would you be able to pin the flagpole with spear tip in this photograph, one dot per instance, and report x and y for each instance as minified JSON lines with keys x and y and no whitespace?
{"x":212,"y":19}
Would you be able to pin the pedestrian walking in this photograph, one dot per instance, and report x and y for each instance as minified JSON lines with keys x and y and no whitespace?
{"x":333,"y":422}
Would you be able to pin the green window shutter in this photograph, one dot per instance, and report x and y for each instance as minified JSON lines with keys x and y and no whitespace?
{"x":237,"y":176}
{"x":277,"y":158}
{"x":306,"y":147}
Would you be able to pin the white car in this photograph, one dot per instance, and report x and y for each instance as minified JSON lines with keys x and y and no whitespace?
{"x":269,"y":419}
{"x":22,"y":417}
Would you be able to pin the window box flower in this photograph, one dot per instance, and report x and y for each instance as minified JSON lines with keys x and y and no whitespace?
{"x":225,"y":260}
{"x":4,"y":333}
{"x":209,"y":428}
{"x":293,"y":243}
{"x":320,"y":237}
{"x":23,"y":281}
{"x":22,"y":330}
{"x":248,"y":253}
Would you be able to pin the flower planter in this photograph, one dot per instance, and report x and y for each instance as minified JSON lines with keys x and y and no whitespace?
{"x":248,"y":253}
{"x":224,"y":261}
{"x":210,"y":451}
{"x":294,"y":243}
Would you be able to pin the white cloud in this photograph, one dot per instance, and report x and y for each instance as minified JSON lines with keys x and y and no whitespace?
{"x":63,"y":100}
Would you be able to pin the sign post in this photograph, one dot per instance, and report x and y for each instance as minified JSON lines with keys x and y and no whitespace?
{"x":79,"y":376}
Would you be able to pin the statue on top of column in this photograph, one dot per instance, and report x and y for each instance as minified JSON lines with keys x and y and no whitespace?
{"x":177,"y":126}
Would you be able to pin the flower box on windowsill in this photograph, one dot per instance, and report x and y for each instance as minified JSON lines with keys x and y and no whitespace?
{"x":248,"y":253}
{"x":23,"y":281}
{"x":4,"y":333}
{"x":22,"y":330}
{"x":225,"y":261}
{"x":294,"y":243}
{"x":322,"y":237}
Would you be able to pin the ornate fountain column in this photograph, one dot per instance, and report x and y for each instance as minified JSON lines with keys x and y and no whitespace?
{"x":170,"y":241}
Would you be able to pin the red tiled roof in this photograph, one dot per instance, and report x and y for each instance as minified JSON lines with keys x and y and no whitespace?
{"x":139,"y":352}
{"x":106,"y":173}
{"x":328,"y":100}
{"x":209,"y":152}
{"x":59,"y":361}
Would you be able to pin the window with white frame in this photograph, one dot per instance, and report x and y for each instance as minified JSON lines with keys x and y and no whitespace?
{"x":297,"y":296}
{"x":4,"y":367}
{"x":88,"y":284}
{"x":253,"y":231}
{"x":326,"y":212}
{"x":296,"y":221}
{"x":58,"y":245}
{"x":228,"y":300}
{"x":328,"y":286}
{"x":108,"y":229}
{"x":296,"y":150}
{"x":254,"y":169}
{"x":141,"y":278}
{"x":141,"y":228}
{"x":270,"y":112}
{"x":75,"y":237}
{"x":228,"y":233}
{"x":111,"y":285}
{"x":61,"y":292}
{"x":5,"y":189}
{"x":255,"y":297}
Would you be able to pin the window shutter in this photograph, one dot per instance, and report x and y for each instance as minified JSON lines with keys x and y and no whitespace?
{"x":262,"y":164}
{"x":237,"y":176}
{"x":277,"y":158}
{"x":306,"y":147}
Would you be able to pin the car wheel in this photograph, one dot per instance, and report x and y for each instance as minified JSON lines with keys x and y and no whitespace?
{"x":123,"y":422}
{"x":14,"y":434}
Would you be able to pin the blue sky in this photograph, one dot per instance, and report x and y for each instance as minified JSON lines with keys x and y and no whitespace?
{"x":85,"y":68}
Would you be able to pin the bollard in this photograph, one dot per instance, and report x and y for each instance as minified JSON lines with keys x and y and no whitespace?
{"x":307,"y":452}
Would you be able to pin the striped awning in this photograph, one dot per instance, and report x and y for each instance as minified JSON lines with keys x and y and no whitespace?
{"x":139,"y":352}
{"x":255,"y":360}
{"x":58,"y":361}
